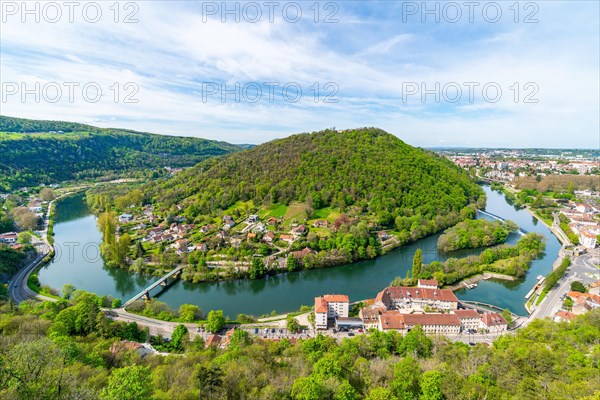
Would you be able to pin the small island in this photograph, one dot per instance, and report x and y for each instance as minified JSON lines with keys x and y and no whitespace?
{"x":471,"y":234}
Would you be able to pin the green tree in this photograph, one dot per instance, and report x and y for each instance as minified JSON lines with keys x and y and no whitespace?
{"x":189,"y":313}
{"x":215,"y":321}
{"x":417,"y":263}
{"x":139,"y":249}
{"x":431,"y":386}
{"x":292,"y":324}
{"x":128,"y":383}
{"x":292,"y":264}
{"x":179,"y":337}
{"x":257,"y":270}
{"x":507,"y":315}
{"x":68,"y":290}
{"x":577,"y":286}
{"x":406,"y":379}
{"x":307,"y":388}
{"x":24,"y":238}
{"x":380,"y":393}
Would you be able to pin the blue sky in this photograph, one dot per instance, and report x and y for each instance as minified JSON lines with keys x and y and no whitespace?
{"x":375,"y":60}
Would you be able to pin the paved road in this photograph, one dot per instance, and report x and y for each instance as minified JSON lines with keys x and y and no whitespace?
{"x":582,"y":269}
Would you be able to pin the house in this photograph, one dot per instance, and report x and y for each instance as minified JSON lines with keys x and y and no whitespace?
{"x":588,"y":300}
{"x":16,"y":246}
{"x":148,"y":211}
{"x":595,"y":288}
{"x":253,"y":218}
{"x":125,"y":218}
{"x":416,"y":299}
{"x":126,"y":345}
{"x":581,"y":207}
{"x":320,"y":313}
{"x":286,"y":238}
{"x":370,"y":316}
{"x":273,"y":221}
{"x":469,"y":319}
{"x":330,"y":306}
{"x":269,"y":236}
{"x":322,"y":223}
{"x":229,"y":224}
{"x":382,"y":235}
{"x":427,"y":283}
{"x":214,"y":341}
{"x":35,"y":206}
{"x":8,"y":237}
{"x":222,"y":234}
{"x":251,"y":236}
{"x":201,"y":247}
{"x":298,"y":231}
{"x":587,"y":239}
{"x":235,"y":241}
{"x":302,"y":253}
{"x":431,"y":323}
{"x":493,"y":323}
{"x":207,"y":228}
{"x":259,"y":228}
{"x":564,"y":316}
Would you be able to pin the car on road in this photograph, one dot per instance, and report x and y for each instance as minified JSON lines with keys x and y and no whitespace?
{"x":471,"y":343}
{"x":256,"y":331}
{"x":360,"y":330}
{"x":350,"y":333}
{"x":273,"y":330}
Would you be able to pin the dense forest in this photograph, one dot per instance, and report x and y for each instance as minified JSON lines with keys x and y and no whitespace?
{"x":66,"y":350}
{"x":368,"y":169}
{"x":471,"y":234}
{"x":35,"y":152}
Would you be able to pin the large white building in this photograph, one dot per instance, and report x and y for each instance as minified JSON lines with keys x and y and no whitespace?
{"x":431,"y":323}
{"x":330,"y":306}
{"x":416,"y":298}
{"x":493,"y":323}
{"x":8,"y":237}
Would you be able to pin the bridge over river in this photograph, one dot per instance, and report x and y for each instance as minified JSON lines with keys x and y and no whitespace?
{"x":162,"y":282}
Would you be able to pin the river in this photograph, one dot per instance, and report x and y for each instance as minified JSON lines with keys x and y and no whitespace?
{"x":78,"y":262}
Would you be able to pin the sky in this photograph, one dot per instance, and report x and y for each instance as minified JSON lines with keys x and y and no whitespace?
{"x":435,"y":74}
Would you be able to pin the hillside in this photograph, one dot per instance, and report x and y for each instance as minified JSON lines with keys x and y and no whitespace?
{"x":47,"y":152}
{"x":368,"y":168}
{"x":319,"y":199}
{"x":67,"y":350}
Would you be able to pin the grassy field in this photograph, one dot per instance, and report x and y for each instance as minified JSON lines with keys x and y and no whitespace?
{"x":296,"y":210}
{"x":276,"y":210}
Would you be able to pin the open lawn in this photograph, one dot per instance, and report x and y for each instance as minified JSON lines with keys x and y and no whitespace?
{"x":276,"y":210}
{"x":296,"y":210}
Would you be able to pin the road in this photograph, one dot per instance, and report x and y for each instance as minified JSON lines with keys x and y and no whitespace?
{"x":582,"y":269}
{"x":18,"y":290}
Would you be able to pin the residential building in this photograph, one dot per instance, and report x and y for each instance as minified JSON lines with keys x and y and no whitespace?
{"x":286,"y":238}
{"x":253,"y":218}
{"x":302,"y":253}
{"x":330,"y":306}
{"x":493,"y":323}
{"x":370,"y":316}
{"x":416,"y":299}
{"x":381,"y":235}
{"x":125,"y":218}
{"x":469,"y":319}
{"x":427,"y":284}
{"x":268,"y":237}
{"x":587,"y":239}
{"x":431,"y":323}
{"x":8,"y":237}
{"x":322,"y":223}
{"x":564,"y":316}
{"x":35,"y":206}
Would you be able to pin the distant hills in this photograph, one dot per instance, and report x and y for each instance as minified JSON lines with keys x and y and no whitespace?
{"x":365,"y":172}
{"x":35,"y":151}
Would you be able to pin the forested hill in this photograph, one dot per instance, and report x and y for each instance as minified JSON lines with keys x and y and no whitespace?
{"x":36,"y":152}
{"x":367,"y":170}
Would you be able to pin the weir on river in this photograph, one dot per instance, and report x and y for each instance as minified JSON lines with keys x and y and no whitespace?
{"x":85,"y":269}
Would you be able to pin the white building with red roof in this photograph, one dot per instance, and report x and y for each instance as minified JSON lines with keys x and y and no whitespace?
{"x":469,"y":319}
{"x":330,"y":306}
{"x":416,"y":298}
{"x":431,"y":323}
{"x":493,"y":323}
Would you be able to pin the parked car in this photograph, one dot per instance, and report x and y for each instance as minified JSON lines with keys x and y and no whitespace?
{"x":350,"y":334}
{"x":360,"y":330}
{"x":256,"y":331}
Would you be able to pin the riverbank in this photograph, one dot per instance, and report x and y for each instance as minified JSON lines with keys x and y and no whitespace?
{"x":479,"y":277}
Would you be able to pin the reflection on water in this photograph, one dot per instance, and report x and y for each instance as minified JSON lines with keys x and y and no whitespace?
{"x":286,"y":292}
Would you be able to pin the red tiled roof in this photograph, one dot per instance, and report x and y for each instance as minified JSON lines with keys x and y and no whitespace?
{"x":395,"y":320}
{"x":340,"y":298}
{"x":320,"y":305}
{"x":429,"y":282}
{"x":213,"y":340}
{"x":399,"y":292}
{"x":462,"y":314}
{"x":431,"y":319}
{"x":566,"y":315}
{"x":493,"y":319}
